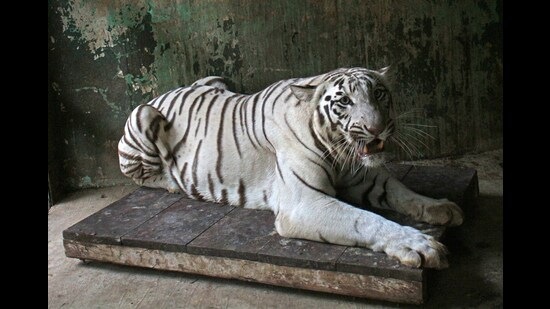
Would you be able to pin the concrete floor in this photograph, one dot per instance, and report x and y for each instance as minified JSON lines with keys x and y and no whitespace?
{"x":474,"y":278}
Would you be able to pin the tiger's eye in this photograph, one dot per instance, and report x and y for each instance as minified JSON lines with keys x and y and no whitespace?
{"x":379,"y":94}
{"x":344,"y":100}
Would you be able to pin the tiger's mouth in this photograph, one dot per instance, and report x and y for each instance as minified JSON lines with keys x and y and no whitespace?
{"x":374,"y":146}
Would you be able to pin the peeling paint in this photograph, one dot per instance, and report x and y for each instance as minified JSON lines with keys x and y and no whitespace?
{"x":97,"y":23}
{"x":146,"y":82}
{"x":85,"y":181}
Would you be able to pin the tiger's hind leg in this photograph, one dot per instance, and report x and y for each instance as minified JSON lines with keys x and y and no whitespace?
{"x":140,"y":149}
{"x":213,"y":81}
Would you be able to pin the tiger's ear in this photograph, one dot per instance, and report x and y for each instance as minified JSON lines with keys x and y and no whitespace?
{"x":303,"y":93}
{"x":387,"y":74}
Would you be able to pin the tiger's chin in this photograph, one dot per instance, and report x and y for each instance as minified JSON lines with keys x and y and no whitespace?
{"x":373,"y":160}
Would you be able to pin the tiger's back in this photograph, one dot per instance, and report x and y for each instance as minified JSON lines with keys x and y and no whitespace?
{"x":206,"y":141}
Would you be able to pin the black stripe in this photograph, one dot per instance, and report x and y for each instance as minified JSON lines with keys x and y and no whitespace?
{"x":360,"y":180}
{"x":329,"y":176}
{"x":265,"y":197}
{"x":308,"y":185}
{"x":138,"y":166}
{"x":289,"y":96}
{"x":153,"y":102}
{"x":162,"y":98}
{"x":195,"y":164}
{"x":129,"y":156}
{"x":171,"y":117}
{"x":198,"y":125}
{"x":340,"y":83}
{"x":142,"y":147}
{"x":270,"y":88}
{"x":270,"y":92}
{"x":279,"y":168}
{"x":137,"y":158}
{"x":322,"y":238}
{"x":327,"y":113}
{"x":275,"y":100}
{"x":242,"y":193}
{"x":176,"y":180}
{"x":172,"y":103}
{"x":254,"y":118}
{"x":160,"y":106}
{"x":347,"y":124}
{"x":211,"y":187}
{"x":321,"y":116}
{"x":263,"y":115}
{"x":215,"y":79}
{"x":188,"y":128}
{"x":355,"y":226}
{"x":127,"y":143}
{"x":245,"y":117}
{"x":211,"y":103}
{"x":203,"y":99}
{"x":365,"y":196}
{"x":224,"y":199}
{"x":196,"y":194}
{"x":382,"y":197}
{"x":318,"y":144}
{"x":219,"y":144}
{"x":138,"y":116}
{"x":130,"y":171}
{"x":154,"y":128}
{"x":234,"y":126}
{"x":242,"y":108}
{"x":182,"y":176}
{"x":298,"y":138}
{"x":183,"y":100}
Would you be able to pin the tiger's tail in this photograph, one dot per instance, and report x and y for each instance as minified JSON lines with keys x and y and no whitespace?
{"x":142,"y":152}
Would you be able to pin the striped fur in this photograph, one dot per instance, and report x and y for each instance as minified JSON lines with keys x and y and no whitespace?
{"x":291,"y":148}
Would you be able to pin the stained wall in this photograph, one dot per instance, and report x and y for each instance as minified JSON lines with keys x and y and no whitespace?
{"x":105,"y":57}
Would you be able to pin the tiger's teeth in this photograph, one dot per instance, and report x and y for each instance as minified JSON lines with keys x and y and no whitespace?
{"x":365,"y":149}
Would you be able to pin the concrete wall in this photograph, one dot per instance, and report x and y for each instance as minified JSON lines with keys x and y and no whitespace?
{"x":108,"y":56}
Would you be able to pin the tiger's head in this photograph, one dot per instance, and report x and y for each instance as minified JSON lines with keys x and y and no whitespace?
{"x":353,"y":115}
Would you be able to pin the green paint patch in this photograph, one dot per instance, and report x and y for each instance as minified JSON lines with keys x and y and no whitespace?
{"x":146,"y":82}
{"x":99,"y":26}
{"x":184,"y":12}
{"x":85,"y":182}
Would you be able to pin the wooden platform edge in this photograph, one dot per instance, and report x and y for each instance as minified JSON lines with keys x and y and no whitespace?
{"x":350,"y":284}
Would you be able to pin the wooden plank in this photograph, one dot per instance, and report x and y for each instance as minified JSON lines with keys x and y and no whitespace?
{"x":365,"y":261}
{"x":152,"y":228}
{"x":240,"y":234}
{"x":175,"y":227}
{"x":110,"y":223}
{"x":352,"y":284}
{"x":300,"y":253}
{"x":459,"y":185}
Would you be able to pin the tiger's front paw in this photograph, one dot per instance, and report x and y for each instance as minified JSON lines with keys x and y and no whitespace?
{"x":415,"y":249}
{"x":443,"y":212}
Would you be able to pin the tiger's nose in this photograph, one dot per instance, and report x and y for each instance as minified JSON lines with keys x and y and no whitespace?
{"x":375,"y":130}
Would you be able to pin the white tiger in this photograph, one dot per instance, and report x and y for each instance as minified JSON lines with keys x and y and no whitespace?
{"x":306,"y":148}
